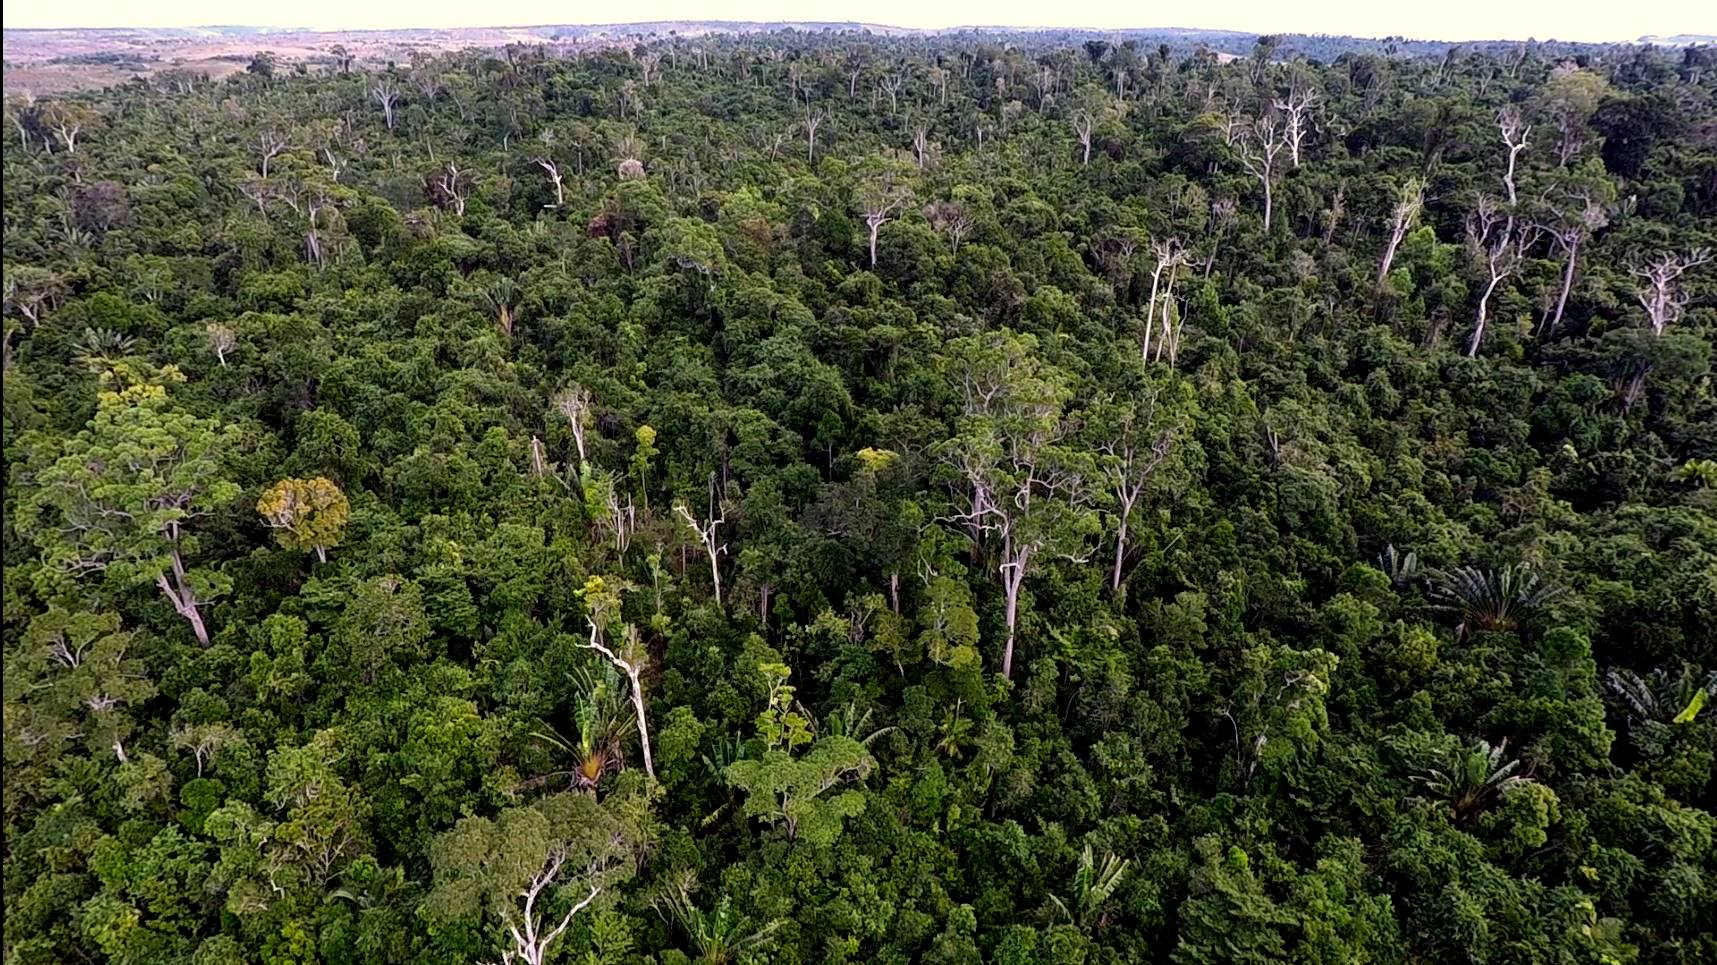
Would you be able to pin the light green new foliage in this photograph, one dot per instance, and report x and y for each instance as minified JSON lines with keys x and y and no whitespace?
{"x":787,"y":790}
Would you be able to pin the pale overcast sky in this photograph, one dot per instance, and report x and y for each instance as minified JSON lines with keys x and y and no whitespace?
{"x":1597,"y":20}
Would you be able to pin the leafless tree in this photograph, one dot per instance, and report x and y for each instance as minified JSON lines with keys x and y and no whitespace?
{"x":1408,"y":203}
{"x":949,"y":218}
{"x":574,"y":405}
{"x":1138,"y":446}
{"x":891,"y":84}
{"x":1259,"y":145}
{"x":1223,"y":214}
{"x":1044,"y":80}
{"x":531,"y":933}
{"x":1660,"y":292}
{"x":651,"y":66}
{"x":222,"y":340}
{"x":259,"y":193}
{"x":270,"y":144}
{"x":1568,"y":235}
{"x":629,"y":659}
{"x":707,"y":532}
{"x":1170,"y":256}
{"x":814,"y":119}
{"x":387,"y":95}
{"x":451,"y":187}
{"x":881,"y":203}
{"x":1084,"y":123}
{"x":1515,"y":131}
{"x":1296,"y":110}
{"x":921,"y":142}
{"x":1494,"y":238}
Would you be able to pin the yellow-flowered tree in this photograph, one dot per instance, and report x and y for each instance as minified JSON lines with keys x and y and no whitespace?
{"x":306,"y":514}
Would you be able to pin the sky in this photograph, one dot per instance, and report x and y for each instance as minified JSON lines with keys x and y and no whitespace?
{"x":1588,"y":20}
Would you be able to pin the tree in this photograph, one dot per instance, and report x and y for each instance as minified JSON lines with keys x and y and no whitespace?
{"x":68,"y":122}
{"x":881,"y":199}
{"x":124,"y":497}
{"x":1571,"y":96}
{"x":1024,"y":490}
{"x":1137,"y":435}
{"x":387,"y":95}
{"x":1514,"y":131}
{"x":1660,"y":292}
{"x":533,"y":869}
{"x":573,"y":404}
{"x":1408,"y":203}
{"x":1296,"y":110}
{"x":708,"y":533}
{"x":1258,"y":145}
{"x":306,"y":514}
{"x":222,"y":339}
{"x":602,"y":600}
{"x":1500,"y":244}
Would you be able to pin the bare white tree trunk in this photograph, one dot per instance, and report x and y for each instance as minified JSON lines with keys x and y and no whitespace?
{"x":1501,"y":245}
{"x":1514,"y":133}
{"x":1660,"y":292}
{"x":708,"y":536}
{"x":633,"y":669}
{"x":1407,"y":208}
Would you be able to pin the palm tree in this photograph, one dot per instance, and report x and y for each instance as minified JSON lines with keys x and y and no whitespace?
{"x":1472,"y":778}
{"x":501,"y":299}
{"x":604,"y":722}
{"x":1491,"y":599}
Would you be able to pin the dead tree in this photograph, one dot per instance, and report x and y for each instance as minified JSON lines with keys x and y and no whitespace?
{"x":1223,"y":214}
{"x":1660,"y":292}
{"x":1569,"y":236}
{"x":1259,"y":146}
{"x":1084,"y":124}
{"x":921,"y":142}
{"x":1296,"y":110}
{"x":553,"y":171}
{"x":949,"y":218}
{"x":1514,"y":131}
{"x":629,"y":660}
{"x":1044,"y":80}
{"x":222,"y":340}
{"x":387,"y":95}
{"x":708,"y":535}
{"x":1170,"y":255}
{"x":814,"y":119}
{"x":270,"y":145}
{"x":891,"y":85}
{"x":881,"y":204}
{"x":1494,"y":238}
{"x":1408,"y":204}
{"x":451,"y":187}
{"x":1139,"y":446}
{"x":573,"y":404}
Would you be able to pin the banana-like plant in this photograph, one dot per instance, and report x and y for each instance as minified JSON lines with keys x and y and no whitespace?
{"x":1491,"y":599}
{"x":1094,"y":883}
{"x":719,"y":936}
{"x":1401,"y":568}
{"x":1472,"y":778}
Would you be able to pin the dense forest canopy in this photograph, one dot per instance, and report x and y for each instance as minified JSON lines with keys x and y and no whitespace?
{"x":827,"y":498}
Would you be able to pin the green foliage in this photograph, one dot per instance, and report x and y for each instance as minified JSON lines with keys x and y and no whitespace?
{"x":614,"y":437}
